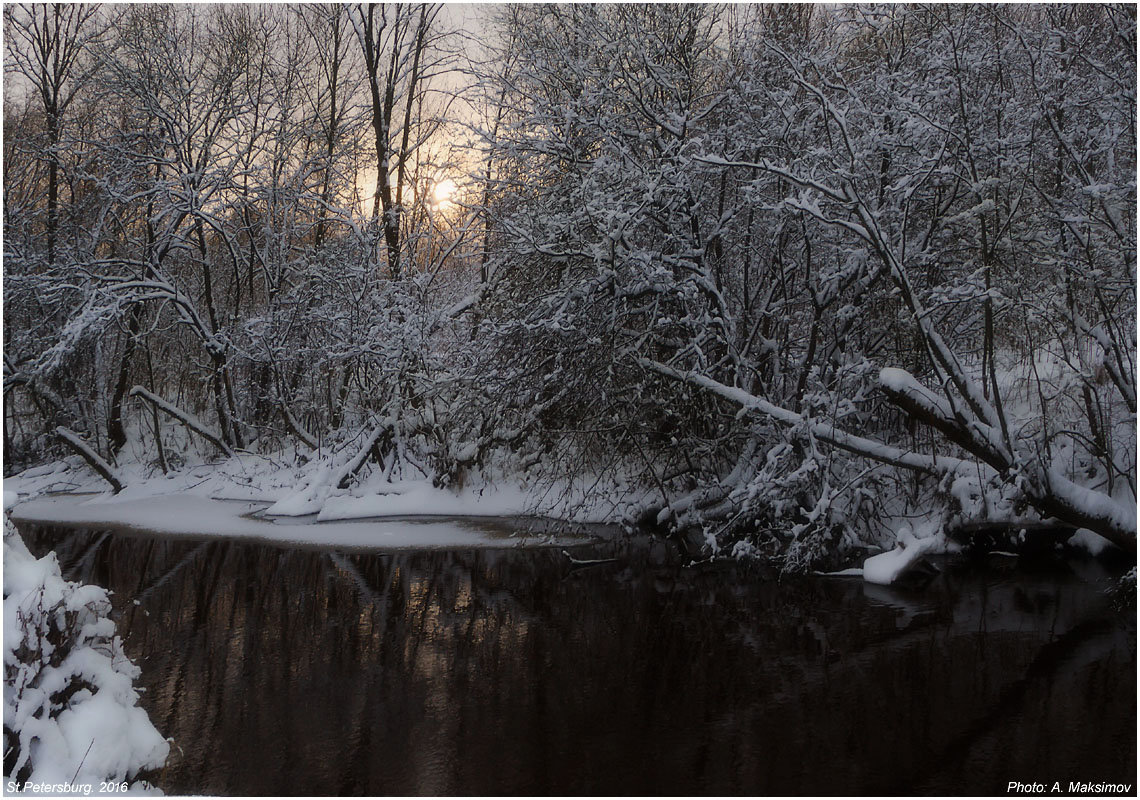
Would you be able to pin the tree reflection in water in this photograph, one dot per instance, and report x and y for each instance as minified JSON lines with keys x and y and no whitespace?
{"x":294,"y":671}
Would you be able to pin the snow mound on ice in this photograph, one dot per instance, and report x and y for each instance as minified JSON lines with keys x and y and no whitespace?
{"x":1089,"y":541}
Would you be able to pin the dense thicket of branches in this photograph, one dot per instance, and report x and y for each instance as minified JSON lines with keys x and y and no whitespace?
{"x":222,"y":235}
{"x":793,"y":269}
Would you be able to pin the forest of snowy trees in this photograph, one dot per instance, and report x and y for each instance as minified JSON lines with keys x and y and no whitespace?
{"x":784,"y":274}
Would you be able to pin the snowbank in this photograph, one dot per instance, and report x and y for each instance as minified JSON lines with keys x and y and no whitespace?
{"x":70,"y":710}
{"x":420,"y":497}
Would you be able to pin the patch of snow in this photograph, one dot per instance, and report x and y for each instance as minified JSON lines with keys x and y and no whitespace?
{"x":898,"y":380}
{"x":745,"y":549}
{"x":467,"y":453}
{"x":1095,"y":504}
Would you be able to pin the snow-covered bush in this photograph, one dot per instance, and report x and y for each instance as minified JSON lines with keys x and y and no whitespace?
{"x":70,"y":713}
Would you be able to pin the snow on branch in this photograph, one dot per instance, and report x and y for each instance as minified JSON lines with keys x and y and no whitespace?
{"x":71,"y":712}
{"x":187,"y":419}
{"x":1115,"y":363}
{"x":904,"y":391}
{"x":105,"y":470}
{"x":296,"y":428}
{"x":868,"y":448}
{"x":357,"y":461}
{"x":1057,"y":496}
{"x":1049,"y":491}
{"x":858,"y":217}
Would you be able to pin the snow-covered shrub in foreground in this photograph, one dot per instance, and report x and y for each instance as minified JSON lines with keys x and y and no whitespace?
{"x":70,"y":713}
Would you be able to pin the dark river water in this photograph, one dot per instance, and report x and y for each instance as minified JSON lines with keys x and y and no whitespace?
{"x":283,"y":671}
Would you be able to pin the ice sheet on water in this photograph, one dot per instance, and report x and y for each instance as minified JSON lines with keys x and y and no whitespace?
{"x":189,"y":515}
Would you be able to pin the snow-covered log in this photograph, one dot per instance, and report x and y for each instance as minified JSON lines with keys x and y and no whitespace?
{"x":978,"y":438}
{"x":1055,"y":495}
{"x":886,"y":568}
{"x":187,"y":419}
{"x":105,"y":470}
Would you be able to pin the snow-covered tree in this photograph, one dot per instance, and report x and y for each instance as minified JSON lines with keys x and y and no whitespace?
{"x":791,"y":270}
{"x":770,"y":215}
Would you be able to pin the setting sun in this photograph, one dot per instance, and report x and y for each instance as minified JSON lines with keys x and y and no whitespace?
{"x":443,"y":192}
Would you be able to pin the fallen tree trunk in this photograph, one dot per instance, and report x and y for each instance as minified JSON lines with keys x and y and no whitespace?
{"x":921,"y":405}
{"x":1050,"y":492}
{"x":187,"y":419}
{"x":105,"y":470}
{"x":859,"y":445}
{"x":1054,"y":495}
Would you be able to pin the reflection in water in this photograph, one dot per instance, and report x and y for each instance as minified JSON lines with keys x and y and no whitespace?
{"x":287,"y":671}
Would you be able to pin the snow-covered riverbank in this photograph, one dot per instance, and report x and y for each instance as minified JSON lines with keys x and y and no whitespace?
{"x":303,"y":498}
{"x":275,"y":499}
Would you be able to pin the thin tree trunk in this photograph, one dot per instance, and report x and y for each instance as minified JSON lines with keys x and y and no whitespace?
{"x":116,"y":434}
